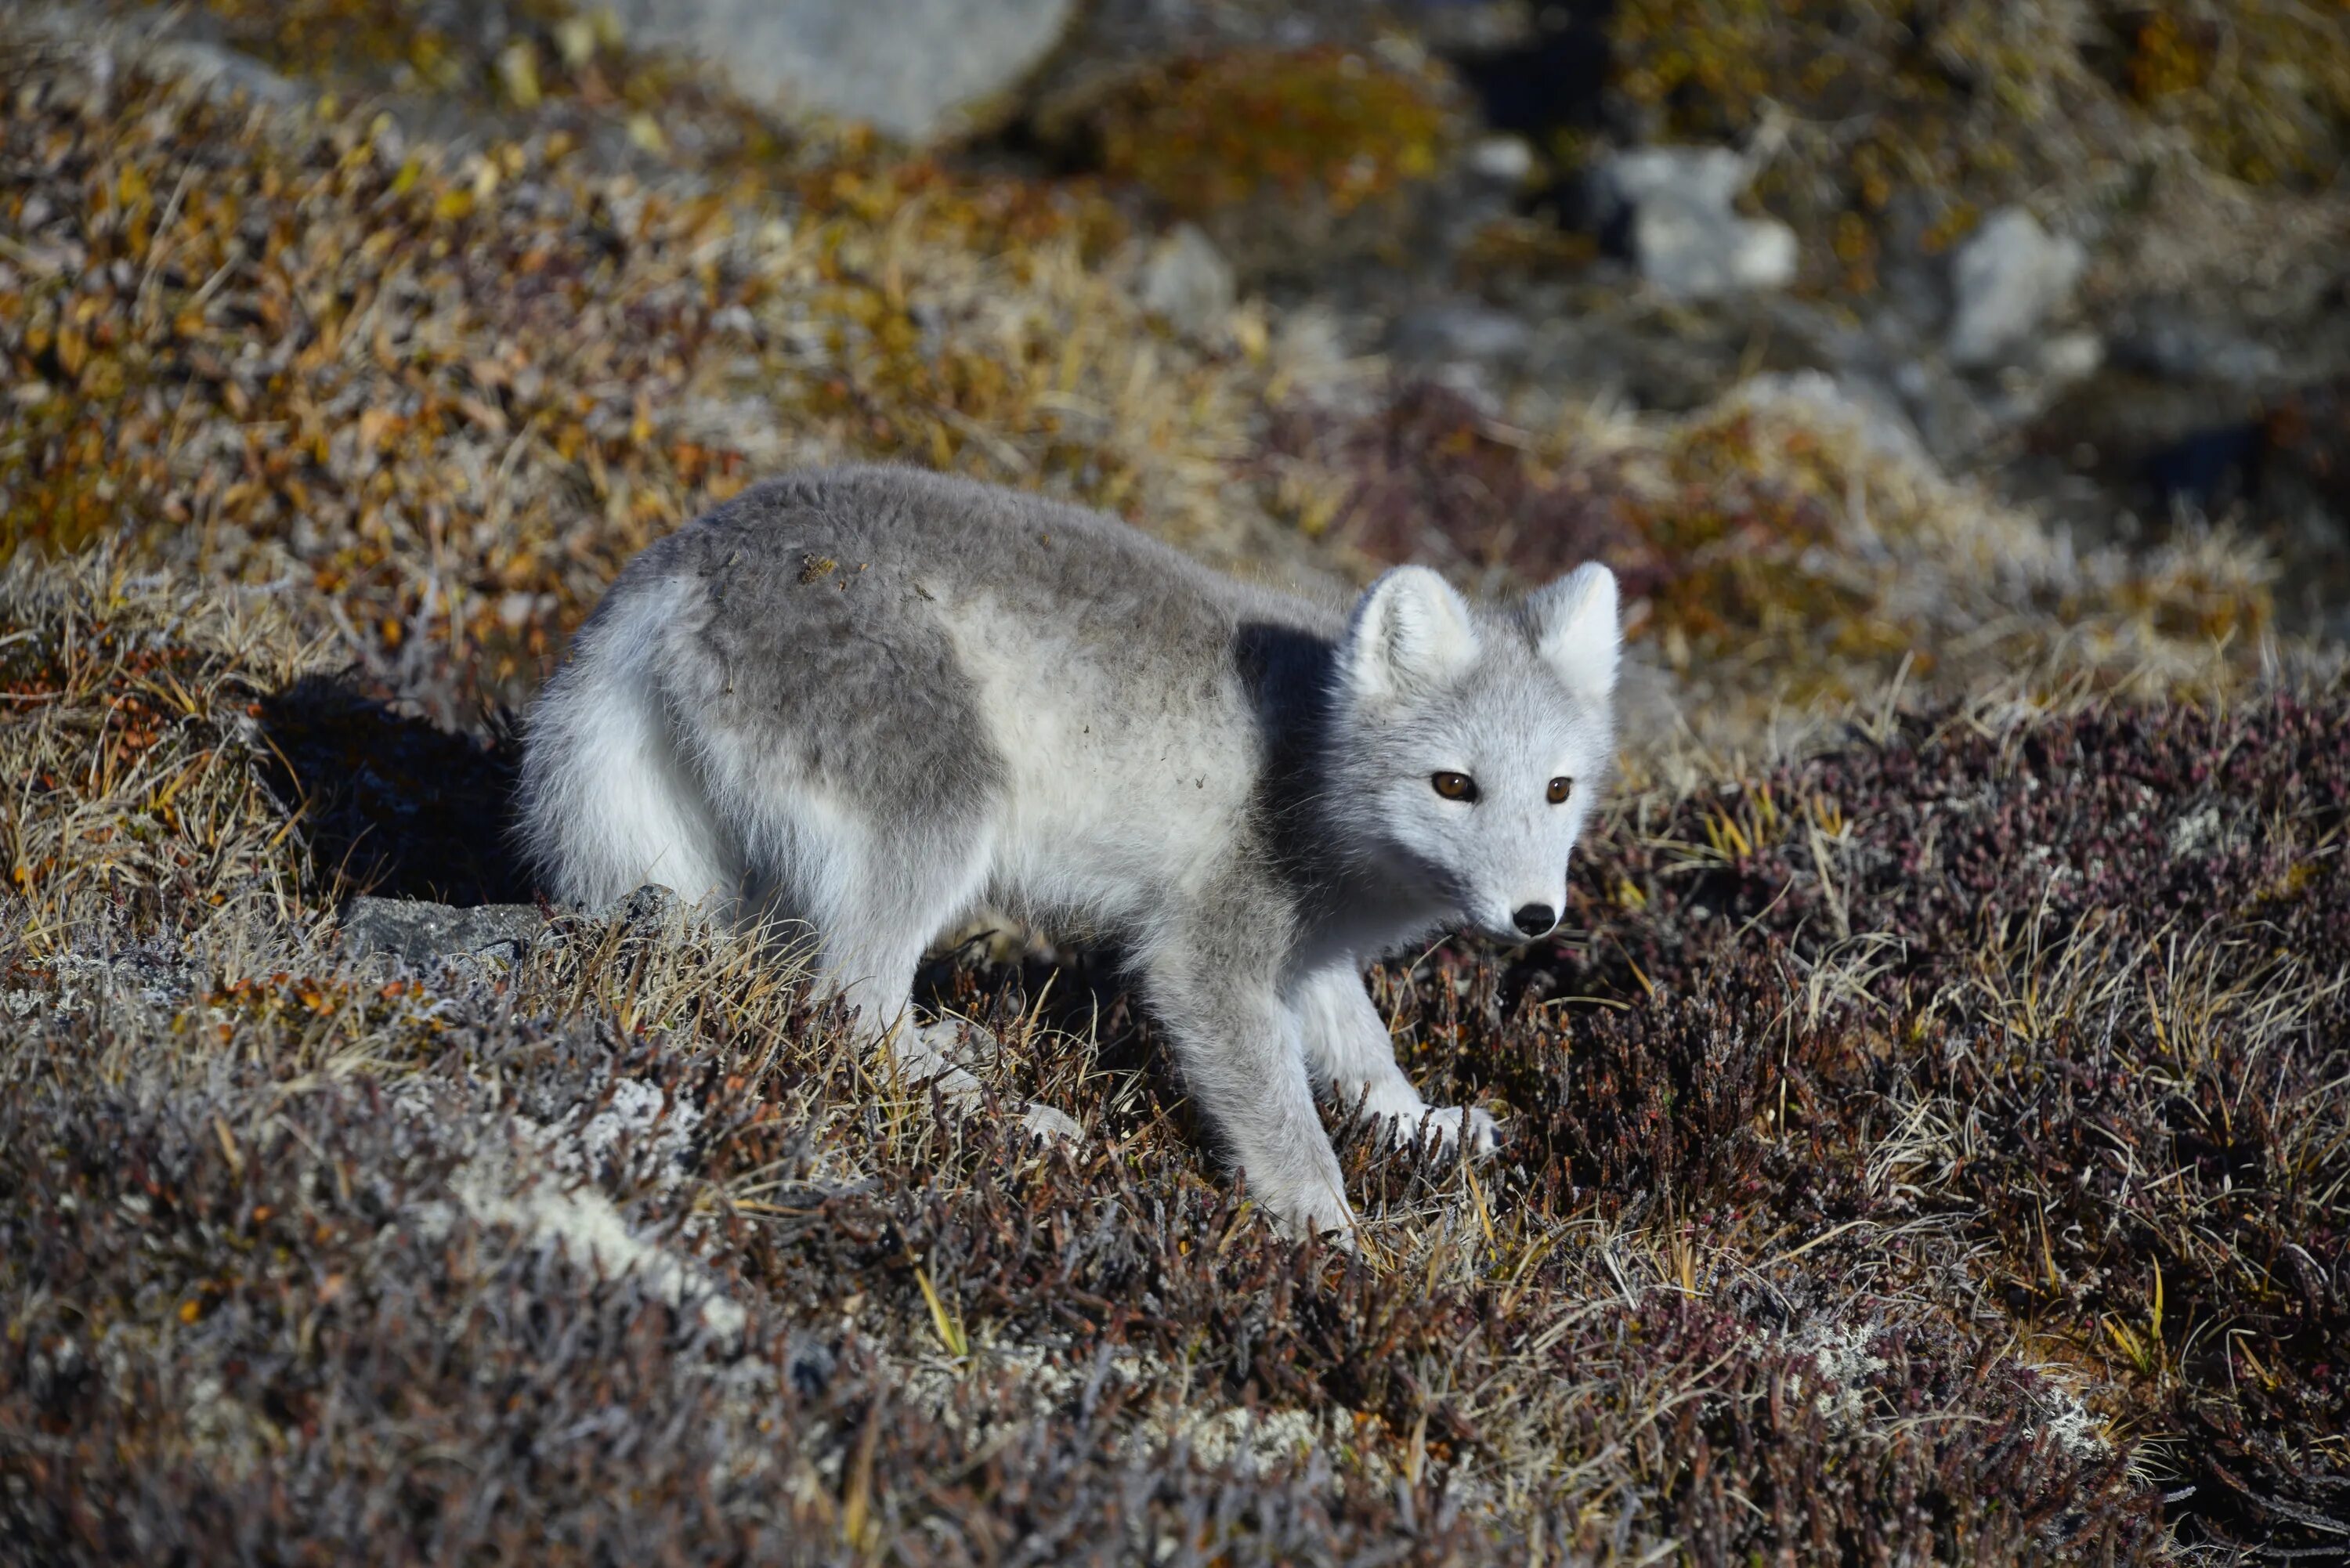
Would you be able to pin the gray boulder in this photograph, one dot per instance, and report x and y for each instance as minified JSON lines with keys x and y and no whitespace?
{"x":425,"y":934}
{"x":915,"y":70}
{"x":1685,"y":232}
{"x":2009,"y":278}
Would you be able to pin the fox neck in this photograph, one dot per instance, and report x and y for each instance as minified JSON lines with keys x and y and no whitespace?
{"x":1363,"y":893}
{"x":1355,"y":892}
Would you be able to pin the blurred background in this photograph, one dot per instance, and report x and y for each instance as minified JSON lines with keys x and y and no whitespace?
{"x":1863,"y":339}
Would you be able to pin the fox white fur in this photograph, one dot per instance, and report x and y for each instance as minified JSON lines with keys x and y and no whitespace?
{"x":877,"y":700}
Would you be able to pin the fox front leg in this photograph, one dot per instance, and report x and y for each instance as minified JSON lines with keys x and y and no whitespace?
{"x":1241,"y":1061}
{"x":1351,"y":1055}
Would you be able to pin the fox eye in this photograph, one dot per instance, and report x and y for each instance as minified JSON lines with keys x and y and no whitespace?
{"x":1455,"y":786}
{"x":1559,"y":790}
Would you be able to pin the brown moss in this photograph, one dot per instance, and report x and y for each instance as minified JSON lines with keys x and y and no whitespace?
{"x":517,"y":54}
{"x":2080,"y":949}
{"x":2263,"y":87}
{"x":498,"y":351}
{"x":1207,"y":132}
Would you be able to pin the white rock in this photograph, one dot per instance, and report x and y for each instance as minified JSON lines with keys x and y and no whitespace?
{"x":1705,"y":176}
{"x":2008,"y":280}
{"x":2072,"y":355}
{"x":1050,"y":1124}
{"x":1503,"y":160}
{"x":1692,"y":251}
{"x":1686,"y":234}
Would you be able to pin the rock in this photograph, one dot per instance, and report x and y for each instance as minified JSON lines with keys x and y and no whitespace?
{"x":2007,"y":280}
{"x":1702,"y":176}
{"x":1047,"y":1125}
{"x":1674,"y":204}
{"x":221,"y":73}
{"x":1507,"y":161}
{"x":1187,"y":280}
{"x":425,"y":933}
{"x":2071,"y":356}
{"x":915,"y":69}
{"x":1692,"y":251}
{"x":648,"y":906}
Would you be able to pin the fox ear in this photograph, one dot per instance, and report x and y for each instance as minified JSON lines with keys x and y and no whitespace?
{"x":1410,"y":630}
{"x":1575,"y":630}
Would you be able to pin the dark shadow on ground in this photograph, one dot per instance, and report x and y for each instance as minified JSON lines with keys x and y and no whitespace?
{"x":392,"y":804}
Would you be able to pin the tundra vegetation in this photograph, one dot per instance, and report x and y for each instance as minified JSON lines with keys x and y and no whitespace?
{"x":1927,"y":1142}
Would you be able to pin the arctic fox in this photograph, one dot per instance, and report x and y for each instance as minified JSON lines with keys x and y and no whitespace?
{"x":877,"y":700}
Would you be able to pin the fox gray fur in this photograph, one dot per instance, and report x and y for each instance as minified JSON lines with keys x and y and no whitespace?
{"x":878,"y":700}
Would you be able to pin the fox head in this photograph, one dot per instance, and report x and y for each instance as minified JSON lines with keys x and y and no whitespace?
{"x":1471,"y":741}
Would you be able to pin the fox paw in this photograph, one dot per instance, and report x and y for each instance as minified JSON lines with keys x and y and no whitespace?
{"x":1464,"y":1127}
{"x":1313,"y":1213}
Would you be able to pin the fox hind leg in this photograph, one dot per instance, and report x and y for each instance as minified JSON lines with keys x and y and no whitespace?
{"x":875,"y":901}
{"x":872,"y":929}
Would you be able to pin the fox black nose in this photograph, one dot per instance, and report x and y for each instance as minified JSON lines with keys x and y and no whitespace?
{"x":1534,"y":918}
